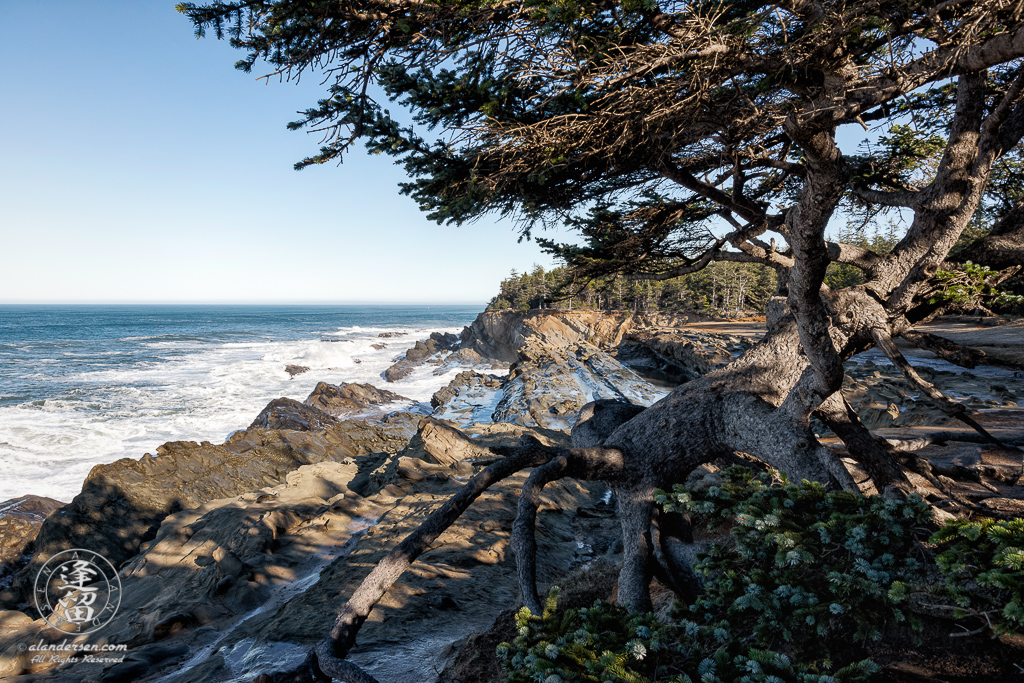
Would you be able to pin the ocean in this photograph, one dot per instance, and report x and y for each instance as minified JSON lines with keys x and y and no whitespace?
{"x":83,"y":385}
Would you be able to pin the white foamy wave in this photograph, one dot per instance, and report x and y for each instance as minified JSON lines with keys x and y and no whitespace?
{"x":203,"y":393}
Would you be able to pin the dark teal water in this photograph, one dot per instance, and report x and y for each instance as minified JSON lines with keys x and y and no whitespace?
{"x":81,"y":385}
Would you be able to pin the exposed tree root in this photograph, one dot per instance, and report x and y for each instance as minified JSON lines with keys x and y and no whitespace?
{"x":876,"y":457}
{"x":672,"y":538}
{"x":759,"y":406}
{"x":524,"y":543}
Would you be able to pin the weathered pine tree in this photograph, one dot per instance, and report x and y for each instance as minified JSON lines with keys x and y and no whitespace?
{"x":642,"y":123}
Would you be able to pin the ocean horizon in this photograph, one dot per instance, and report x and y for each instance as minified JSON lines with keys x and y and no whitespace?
{"x":85,"y":384}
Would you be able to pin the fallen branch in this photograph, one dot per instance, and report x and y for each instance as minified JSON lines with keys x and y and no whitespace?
{"x":327,"y":659}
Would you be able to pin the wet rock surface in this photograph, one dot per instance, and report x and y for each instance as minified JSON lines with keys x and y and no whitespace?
{"x":420,"y":353}
{"x":469,"y":398}
{"x":287,"y":413}
{"x":293,"y":370}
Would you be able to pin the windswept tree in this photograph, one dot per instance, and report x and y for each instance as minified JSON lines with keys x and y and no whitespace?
{"x":644,"y":124}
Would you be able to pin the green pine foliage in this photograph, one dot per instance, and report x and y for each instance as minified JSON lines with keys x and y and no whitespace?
{"x":807,"y":566}
{"x":721,"y":289}
{"x":608,"y":643}
{"x":967,"y":284}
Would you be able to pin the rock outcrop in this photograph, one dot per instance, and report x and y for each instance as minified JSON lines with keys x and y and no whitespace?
{"x":287,"y":413}
{"x":122,"y":504}
{"x":20,"y":520}
{"x":349,"y":398}
{"x":237,"y":556}
{"x":421,"y":352}
{"x":293,"y":370}
{"x":688,"y":354}
{"x":500,"y":335}
{"x":549,"y":385}
{"x":469,"y":398}
{"x":245,"y":583}
{"x":560,"y":362}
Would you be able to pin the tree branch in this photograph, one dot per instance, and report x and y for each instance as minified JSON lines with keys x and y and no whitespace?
{"x":901,"y":198}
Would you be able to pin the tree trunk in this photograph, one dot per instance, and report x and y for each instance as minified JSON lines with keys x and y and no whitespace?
{"x":745,"y":407}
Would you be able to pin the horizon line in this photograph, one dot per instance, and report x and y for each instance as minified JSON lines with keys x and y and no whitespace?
{"x":243,"y":302}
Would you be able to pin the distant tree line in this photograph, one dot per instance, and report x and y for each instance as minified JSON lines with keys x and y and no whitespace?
{"x":721,"y":290}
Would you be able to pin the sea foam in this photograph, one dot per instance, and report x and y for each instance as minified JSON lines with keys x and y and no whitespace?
{"x":183,"y":388}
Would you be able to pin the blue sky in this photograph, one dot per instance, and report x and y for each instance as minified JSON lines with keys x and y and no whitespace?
{"x":139,"y":165}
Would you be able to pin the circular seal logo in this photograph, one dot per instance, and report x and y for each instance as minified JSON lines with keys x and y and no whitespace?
{"x":77,"y":591}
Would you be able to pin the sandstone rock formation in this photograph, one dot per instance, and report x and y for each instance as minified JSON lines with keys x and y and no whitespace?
{"x":287,"y":413}
{"x":501,"y":334}
{"x":549,"y":385}
{"x":122,"y":503}
{"x":243,"y":583}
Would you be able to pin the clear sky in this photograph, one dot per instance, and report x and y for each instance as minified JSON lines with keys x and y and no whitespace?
{"x":136,"y":164}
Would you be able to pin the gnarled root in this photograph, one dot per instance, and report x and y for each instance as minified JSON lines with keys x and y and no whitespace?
{"x":636,"y":506}
{"x":579,"y":463}
{"x":524,"y":542}
{"x":672,"y":538}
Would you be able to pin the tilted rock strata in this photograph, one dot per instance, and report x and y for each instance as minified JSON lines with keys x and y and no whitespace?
{"x":268,"y":569}
{"x":548,"y":386}
{"x":502,"y":334}
{"x":287,"y":413}
{"x":419,"y":353}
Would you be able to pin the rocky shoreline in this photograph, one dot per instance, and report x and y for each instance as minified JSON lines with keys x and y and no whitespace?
{"x":234,"y":557}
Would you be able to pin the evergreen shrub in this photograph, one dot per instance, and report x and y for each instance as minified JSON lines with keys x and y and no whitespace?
{"x":807,"y":574}
{"x":806,"y":581}
{"x":983,"y":561}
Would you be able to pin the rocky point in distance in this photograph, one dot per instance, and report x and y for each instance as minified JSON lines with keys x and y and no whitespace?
{"x":235,"y":557}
